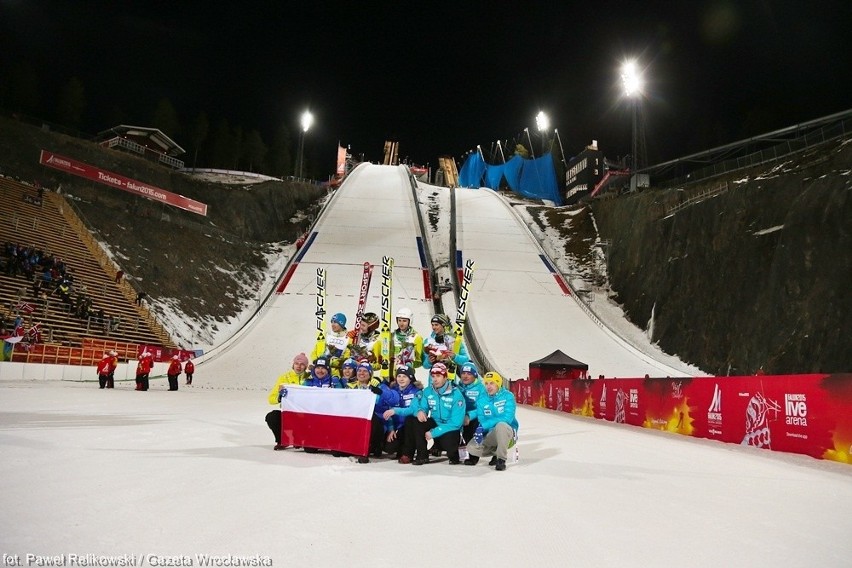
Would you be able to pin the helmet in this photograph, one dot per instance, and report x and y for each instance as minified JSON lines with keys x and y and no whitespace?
{"x":442,"y":319}
{"x":371,"y":319}
{"x":113,"y":352}
{"x":469,"y":368}
{"x":493,"y":377}
{"x":438,"y":369}
{"x":339,"y":318}
{"x":350,"y":364}
{"x":404,"y":313}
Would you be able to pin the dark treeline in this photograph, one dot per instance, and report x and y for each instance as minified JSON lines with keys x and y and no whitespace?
{"x":210,"y":141}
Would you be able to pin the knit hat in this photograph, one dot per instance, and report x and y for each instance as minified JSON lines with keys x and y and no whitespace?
{"x":339,"y":318}
{"x":350,"y":364}
{"x":407,"y":371}
{"x":365,"y":366}
{"x":469,"y":368}
{"x":438,"y":369}
{"x":322,"y":362}
{"x":493,"y":377}
{"x":301,"y":358}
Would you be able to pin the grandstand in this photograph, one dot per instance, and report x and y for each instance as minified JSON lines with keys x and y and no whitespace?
{"x":47,"y":222}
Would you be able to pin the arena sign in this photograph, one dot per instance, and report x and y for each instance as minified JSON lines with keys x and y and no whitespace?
{"x":117,"y":181}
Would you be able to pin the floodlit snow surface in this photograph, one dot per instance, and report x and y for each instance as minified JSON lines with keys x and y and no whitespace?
{"x":190,"y":477}
{"x":193,"y":472}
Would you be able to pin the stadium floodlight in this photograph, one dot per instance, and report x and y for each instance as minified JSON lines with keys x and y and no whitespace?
{"x":542,"y":122}
{"x":631,"y":78}
{"x":307,"y":121}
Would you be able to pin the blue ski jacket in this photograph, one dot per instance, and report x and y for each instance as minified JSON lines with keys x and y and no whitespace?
{"x":385,"y":401}
{"x":445,"y":407}
{"x":471,"y":393}
{"x":406,"y":397}
{"x":328,"y":382}
{"x":492,"y":410}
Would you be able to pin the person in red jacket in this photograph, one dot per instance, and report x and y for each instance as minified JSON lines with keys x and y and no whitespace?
{"x":189,"y":369}
{"x":143,"y":369}
{"x":106,"y":368}
{"x":174,"y":372}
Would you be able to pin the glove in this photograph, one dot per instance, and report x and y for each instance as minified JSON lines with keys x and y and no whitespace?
{"x":375,"y":390}
{"x":478,"y":435}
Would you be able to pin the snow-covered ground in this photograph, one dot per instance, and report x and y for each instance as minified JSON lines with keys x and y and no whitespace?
{"x":183,"y":476}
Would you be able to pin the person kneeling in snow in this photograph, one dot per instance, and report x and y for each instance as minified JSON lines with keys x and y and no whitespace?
{"x":385,"y":399}
{"x":436,"y":414}
{"x":297,"y":375}
{"x":496,"y":414}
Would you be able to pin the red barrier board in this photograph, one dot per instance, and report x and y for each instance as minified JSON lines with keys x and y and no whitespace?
{"x":804,"y":414}
{"x":117,"y":181}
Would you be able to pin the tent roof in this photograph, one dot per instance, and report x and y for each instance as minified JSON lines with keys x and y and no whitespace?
{"x":558,"y":359}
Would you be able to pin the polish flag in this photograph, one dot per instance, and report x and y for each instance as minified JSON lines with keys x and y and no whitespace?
{"x":327,"y":419}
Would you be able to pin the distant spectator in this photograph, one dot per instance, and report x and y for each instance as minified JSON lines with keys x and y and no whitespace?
{"x":174,"y":372}
{"x":139,"y":297}
{"x":118,"y":276}
{"x":189,"y":369}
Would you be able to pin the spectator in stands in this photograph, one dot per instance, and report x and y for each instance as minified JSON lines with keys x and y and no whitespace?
{"x":174,"y":372}
{"x":114,"y":322}
{"x":189,"y":369}
{"x":143,"y":369}
{"x":118,"y":276}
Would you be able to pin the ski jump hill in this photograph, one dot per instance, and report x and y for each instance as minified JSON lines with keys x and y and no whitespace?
{"x":519,"y":311}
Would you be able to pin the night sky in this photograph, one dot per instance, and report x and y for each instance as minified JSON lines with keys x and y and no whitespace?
{"x":442,"y":80}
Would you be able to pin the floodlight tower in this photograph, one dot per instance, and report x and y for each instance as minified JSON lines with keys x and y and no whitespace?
{"x":307,"y":120}
{"x":631,"y":80}
{"x":542,"y":122}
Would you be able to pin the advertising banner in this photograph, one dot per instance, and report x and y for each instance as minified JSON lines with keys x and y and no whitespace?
{"x":117,"y":181}
{"x":805,"y":414}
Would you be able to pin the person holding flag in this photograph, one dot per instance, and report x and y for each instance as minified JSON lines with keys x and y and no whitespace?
{"x":296,"y":375}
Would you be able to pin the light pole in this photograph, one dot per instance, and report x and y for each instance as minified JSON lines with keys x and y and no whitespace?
{"x":631,"y":80}
{"x":543,"y":125}
{"x":307,"y":121}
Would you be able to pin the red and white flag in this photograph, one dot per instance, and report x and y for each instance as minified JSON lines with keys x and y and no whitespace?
{"x":327,"y":419}
{"x":25,"y":307}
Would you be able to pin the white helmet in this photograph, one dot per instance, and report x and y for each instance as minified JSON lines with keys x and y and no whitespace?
{"x":404,"y":313}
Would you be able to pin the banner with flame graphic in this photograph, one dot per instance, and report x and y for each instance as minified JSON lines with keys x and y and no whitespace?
{"x":804,"y":414}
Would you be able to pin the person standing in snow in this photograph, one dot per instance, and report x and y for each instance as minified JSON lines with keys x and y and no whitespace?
{"x":174,"y":372}
{"x":439,"y":346}
{"x":364,"y":339}
{"x":436,"y":414}
{"x":189,"y":369}
{"x":106,"y":368}
{"x":408,"y":388}
{"x":407,"y":343}
{"x":143,"y":370}
{"x":496,"y":412}
{"x":297,"y":375}
{"x":335,"y":348}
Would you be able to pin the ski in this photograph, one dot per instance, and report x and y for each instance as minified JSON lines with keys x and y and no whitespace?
{"x":385,"y":334}
{"x":321,"y":307}
{"x":362,"y":295}
{"x":461,"y":312}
